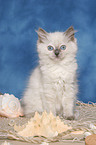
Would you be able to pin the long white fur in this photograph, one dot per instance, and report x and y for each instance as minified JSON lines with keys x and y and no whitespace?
{"x":53,"y":84}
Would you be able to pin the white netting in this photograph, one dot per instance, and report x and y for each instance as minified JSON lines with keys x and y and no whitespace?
{"x":85,"y":121}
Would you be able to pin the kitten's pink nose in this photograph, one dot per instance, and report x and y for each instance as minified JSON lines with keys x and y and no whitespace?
{"x":57,"y":51}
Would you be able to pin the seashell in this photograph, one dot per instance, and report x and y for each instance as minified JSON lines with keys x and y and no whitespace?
{"x":87,"y":134}
{"x":6,"y":143}
{"x":92,"y":126}
{"x":10,"y":106}
{"x":44,"y":143}
{"x":42,"y":125}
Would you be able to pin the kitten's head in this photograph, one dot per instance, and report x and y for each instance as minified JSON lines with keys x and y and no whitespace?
{"x":56,"y":46}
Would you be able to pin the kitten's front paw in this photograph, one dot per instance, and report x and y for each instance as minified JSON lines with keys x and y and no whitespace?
{"x":69,"y":117}
{"x":29,"y":115}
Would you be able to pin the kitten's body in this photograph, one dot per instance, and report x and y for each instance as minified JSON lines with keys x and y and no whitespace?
{"x":52,"y":85}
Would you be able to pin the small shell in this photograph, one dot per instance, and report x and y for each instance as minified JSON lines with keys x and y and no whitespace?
{"x":6,"y":143}
{"x":92,"y":126}
{"x":87,"y":134}
{"x":45,"y":143}
{"x":10,"y":106}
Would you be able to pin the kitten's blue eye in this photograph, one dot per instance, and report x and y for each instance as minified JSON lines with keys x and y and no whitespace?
{"x":63,"y":47}
{"x":50,"y":48}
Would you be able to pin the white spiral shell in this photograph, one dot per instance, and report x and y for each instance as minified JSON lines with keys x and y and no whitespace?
{"x":10,"y":106}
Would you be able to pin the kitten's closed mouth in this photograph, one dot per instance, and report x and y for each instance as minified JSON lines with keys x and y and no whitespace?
{"x":57,"y":57}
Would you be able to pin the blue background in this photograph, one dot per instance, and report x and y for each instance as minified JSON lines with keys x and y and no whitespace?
{"x":18,"y":21}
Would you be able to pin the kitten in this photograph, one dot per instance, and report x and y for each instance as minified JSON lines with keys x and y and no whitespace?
{"x":53,"y":84}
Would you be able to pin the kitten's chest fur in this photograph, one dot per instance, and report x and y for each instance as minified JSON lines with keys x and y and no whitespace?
{"x":55,"y":78}
{"x":58,"y":75}
{"x":54,"y":81}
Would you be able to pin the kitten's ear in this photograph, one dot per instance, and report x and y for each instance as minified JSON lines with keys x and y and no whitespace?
{"x":42,"y":35}
{"x":70,"y":33}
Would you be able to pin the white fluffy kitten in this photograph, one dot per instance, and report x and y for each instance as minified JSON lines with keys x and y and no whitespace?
{"x":53,"y":84}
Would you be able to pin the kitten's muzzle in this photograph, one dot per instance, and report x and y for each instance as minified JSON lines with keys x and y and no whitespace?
{"x":56,"y":51}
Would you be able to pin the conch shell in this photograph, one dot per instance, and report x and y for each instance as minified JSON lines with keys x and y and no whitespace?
{"x":42,"y":125}
{"x":10,"y":106}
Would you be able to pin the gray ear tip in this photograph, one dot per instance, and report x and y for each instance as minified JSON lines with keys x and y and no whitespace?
{"x":71,"y":27}
{"x":39,"y":29}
